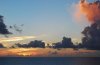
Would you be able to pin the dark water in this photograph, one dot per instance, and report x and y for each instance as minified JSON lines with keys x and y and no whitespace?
{"x":48,"y":61}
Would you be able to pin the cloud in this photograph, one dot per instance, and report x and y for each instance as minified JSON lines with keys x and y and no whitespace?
{"x":3,"y":27}
{"x":13,"y":39}
{"x":1,"y":46}
{"x":90,"y":10}
{"x":35,"y":44}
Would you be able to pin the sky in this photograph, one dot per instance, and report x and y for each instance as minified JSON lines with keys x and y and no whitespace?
{"x":47,"y":20}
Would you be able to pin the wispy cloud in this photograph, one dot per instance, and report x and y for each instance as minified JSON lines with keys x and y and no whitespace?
{"x":13,"y":39}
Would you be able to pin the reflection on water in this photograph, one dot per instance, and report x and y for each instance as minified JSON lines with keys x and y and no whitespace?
{"x":48,"y":61}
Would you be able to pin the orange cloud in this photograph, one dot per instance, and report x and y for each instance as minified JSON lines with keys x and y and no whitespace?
{"x":90,"y":10}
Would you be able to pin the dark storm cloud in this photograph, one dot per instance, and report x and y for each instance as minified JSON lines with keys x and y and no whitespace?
{"x":65,"y":43}
{"x":91,"y":39}
{"x":3,"y":27}
{"x":1,"y":46}
{"x":34,"y":44}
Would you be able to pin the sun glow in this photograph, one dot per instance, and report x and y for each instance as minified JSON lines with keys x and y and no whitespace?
{"x":24,"y":51}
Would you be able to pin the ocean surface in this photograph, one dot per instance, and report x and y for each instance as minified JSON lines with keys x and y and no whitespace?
{"x":49,"y":61}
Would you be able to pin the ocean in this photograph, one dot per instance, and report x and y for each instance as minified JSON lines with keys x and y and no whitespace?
{"x":49,"y":61}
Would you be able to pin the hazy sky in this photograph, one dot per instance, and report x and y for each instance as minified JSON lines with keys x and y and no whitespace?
{"x":49,"y":20}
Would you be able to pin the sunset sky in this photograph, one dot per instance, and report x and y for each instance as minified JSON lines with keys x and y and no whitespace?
{"x":47,"y":20}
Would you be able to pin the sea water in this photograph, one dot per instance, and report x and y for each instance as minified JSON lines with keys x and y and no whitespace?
{"x":49,"y":61}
